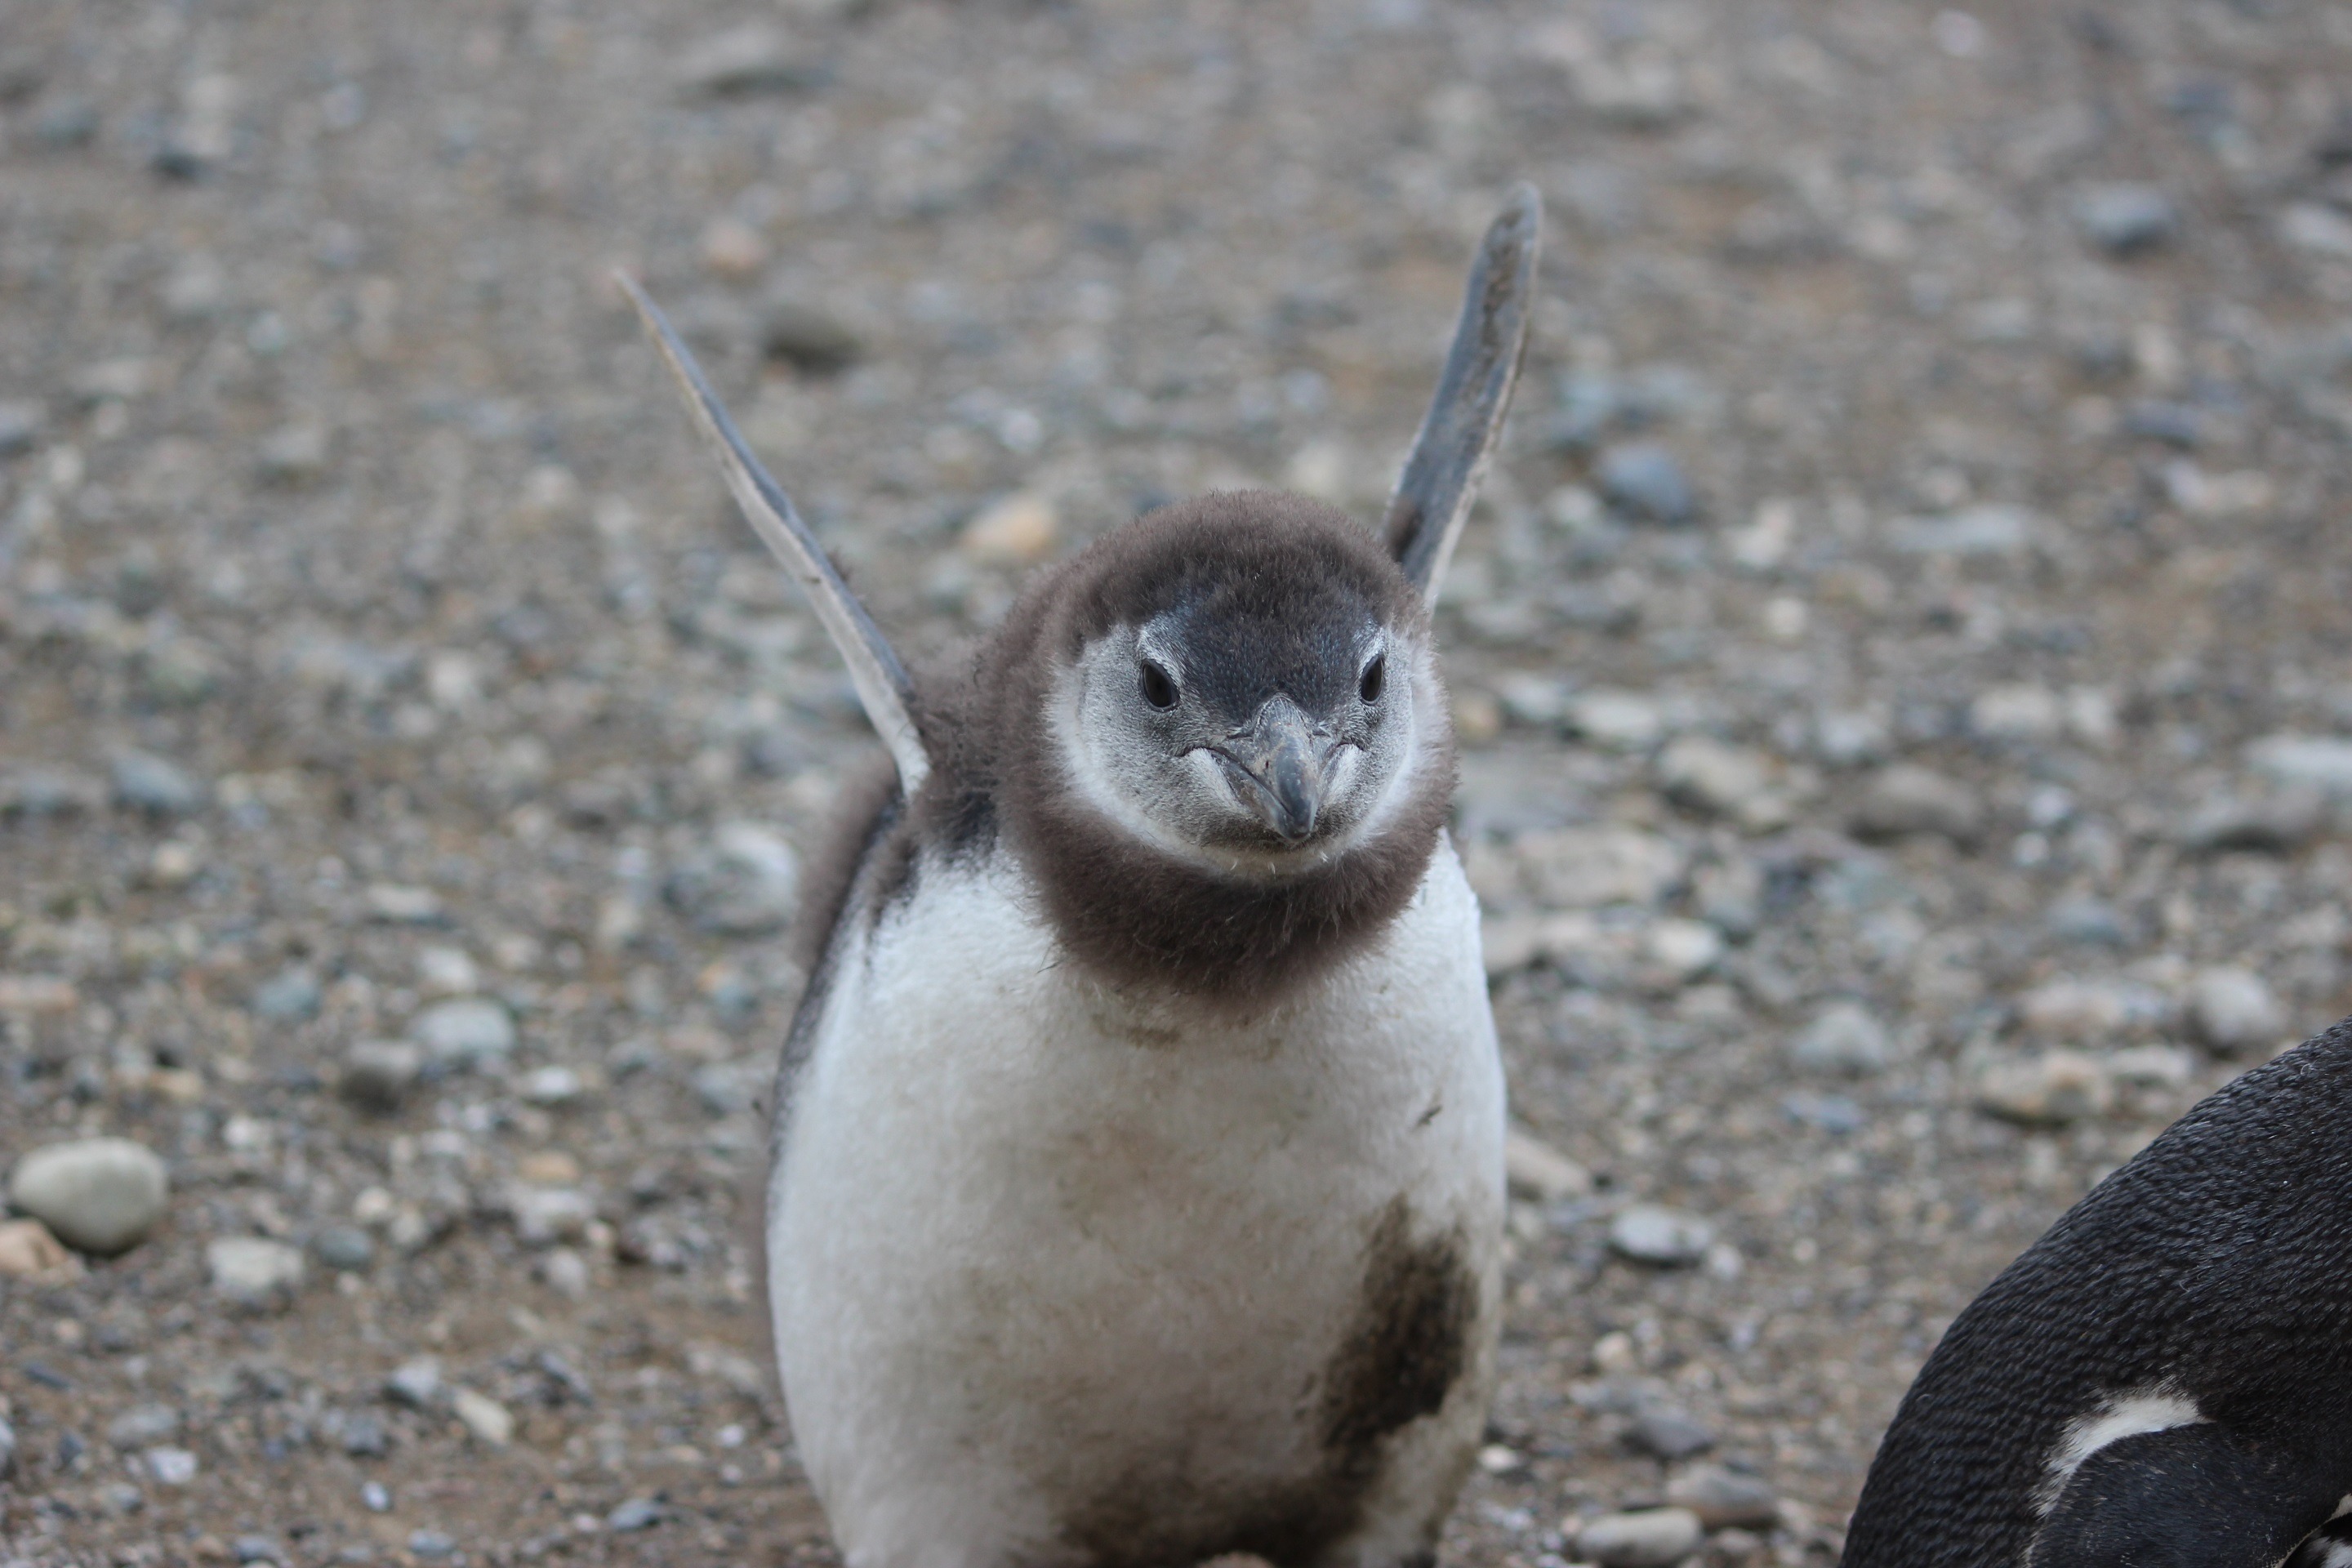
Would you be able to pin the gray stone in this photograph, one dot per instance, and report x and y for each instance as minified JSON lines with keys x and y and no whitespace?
{"x":365,"y":1435}
{"x":70,"y":122}
{"x":2235,"y":1010}
{"x":376,"y":1497}
{"x":465,"y":1032}
{"x":21,"y":421}
{"x":724,"y":1087}
{"x":1642,"y":479}
{"x":1725,"y":1500}
{"x":292,"y":995}
{"x":1984,"y":530}
{"x":256,"y":1548}
{"x":1652,"y":1538}
{"x":1905,"y":799}
{"x":744,"y":882}
{"x":2275,"y":823}
{"x":416,"y":1383}
{"x":1619,"y":720}
{"x":491,"y":1422}
{"x":433,"y":1545}
{"x":293,"y":454}
{"x":1670,"y":1434}
{"x":142,"y":1427}
{"x":1650,"y":1233}
{"x":755,"y":57}
{"x":2125,"y":218}
{"x":1721,"y":779}
{"x":544,"y":1216}
{"x":170,"y":1467}
{"x":1843,"y":1038}
{"x":2312,"y":226}
{"x":2318,"y":762}
{"x":253,"y":1271}
{"x":378,"y":1074}
{"x":553,"y":1087}
{"x":98,"y":1195}
{"x":8,"y":1450}
{"x":346,"y":1248}
{"x":807,"y":337}
{"x":2092,"y":922}
{"x":638,"y":1513}
{"x":1539,"y":1170}
{"x":48,"y":791}
{"x":148,"y":782}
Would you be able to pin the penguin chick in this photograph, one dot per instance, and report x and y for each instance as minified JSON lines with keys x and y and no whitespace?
{"x":1137,"y":1186}
{"x":2165,"y":1377}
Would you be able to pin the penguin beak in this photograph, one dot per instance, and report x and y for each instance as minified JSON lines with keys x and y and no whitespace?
{"x":1278,"y":769}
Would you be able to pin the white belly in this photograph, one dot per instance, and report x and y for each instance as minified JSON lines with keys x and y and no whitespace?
{"x":1051,"y":1268}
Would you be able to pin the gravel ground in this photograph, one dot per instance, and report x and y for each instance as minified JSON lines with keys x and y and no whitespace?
{"x":1900,"y":653}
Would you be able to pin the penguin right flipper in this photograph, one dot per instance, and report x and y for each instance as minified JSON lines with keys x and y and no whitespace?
{"x":1474,"y":391}
{"x":2329,"y":1546}
{"x":873,"y":668}
{"x":2197,"y":1495}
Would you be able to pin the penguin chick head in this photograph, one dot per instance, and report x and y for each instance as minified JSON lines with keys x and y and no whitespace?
{"x":1246,"y":683}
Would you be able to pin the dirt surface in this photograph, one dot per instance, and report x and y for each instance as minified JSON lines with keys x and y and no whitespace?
{"x":1913,"y":390}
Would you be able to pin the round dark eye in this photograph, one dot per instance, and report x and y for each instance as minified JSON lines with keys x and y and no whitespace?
{"x":1159,"y":685}
{"x":1374,"y":679}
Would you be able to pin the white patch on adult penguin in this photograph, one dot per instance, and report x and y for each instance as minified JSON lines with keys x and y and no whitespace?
{"x":1139,"y":1188}
{"x":2115,"y":1418}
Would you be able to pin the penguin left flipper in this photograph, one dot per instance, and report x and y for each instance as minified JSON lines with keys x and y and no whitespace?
{"x":2197,"y":1495}
{"x":2329,"y":1546}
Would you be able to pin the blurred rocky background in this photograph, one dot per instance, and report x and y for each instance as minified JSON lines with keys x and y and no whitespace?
{"x":1901,"y":660}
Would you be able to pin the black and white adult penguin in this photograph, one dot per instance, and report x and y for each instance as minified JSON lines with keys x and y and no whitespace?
{"x":1137,"y":1188}
{"x":2165,"y":1379}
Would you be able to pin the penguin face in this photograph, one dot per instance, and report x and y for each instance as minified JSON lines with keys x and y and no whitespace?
{"x":1222,"y":729}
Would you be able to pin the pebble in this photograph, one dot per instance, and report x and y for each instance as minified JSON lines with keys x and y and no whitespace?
{"x":256,"y":1548}
{"x":1905,"y":799}
{"x":553,"y":1087}
{"x":2275,"y":822}
{"x":1843,"y":1038}
{"x":2125,"y":218}
{"x":416,"y":1383}
{"x":254,"y":1271}
{"x":1591,"y":867}
{"x":465,"y":1032}
{"x":544,"y":1216}
{"x":443,"y":971}
{"x":290,"y":996}
{"x":1615,"y":720}
{"x":745,"y":882}
{"x":150,"y":783}
{"x":293,"y":454}
{"x":755,"y":57}
{"x":733,"y":249}
{"x":142,"y":1427}
{"x":48,"y":791}
{"x":170,"y":1467}
{"x":97,"y":1194}
{"x":433,"y":1545}
{"x":1648,"y":1232}
{"x":1725,"y":1499}
{"x":2321,"y":230}
{"x":1670,"y":1434}
{"x":31,"y":1250}
{"x":2087,"y":921}
{"x":20,"y":424}
{"x":378,"y":1074}
{"x":8,"y":1450}
{"x":1982,"y":530}
{"x":346,"y":1248}
{"x":2235,"y":1010}
{"x":2016,"y":713}
{"x":2320,"y":763}
{"x":376,"y":1497}
{"x":808,"y":337}
{"x":2049,"y":1090}
{"x":566,"y":1273}
{"x":491,"y":1423}
{"x":1722,"y":780}
{"x":364,"y":1436}
{"x":1652,"y":1538}
{"x":396,"y":905}
{"x":1677,"y":952}
{"x":1537,"y":1169}
{"x":71,"y":122}
{"x":638,"y":1513}
{"x":1013,"y":530}
{"x":1642,"y":479}
{"x":2068,"y":1010}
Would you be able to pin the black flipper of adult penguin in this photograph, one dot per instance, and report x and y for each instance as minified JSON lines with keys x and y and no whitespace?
{"x":1137,"y":1194}
{"x":2164,"y":1380}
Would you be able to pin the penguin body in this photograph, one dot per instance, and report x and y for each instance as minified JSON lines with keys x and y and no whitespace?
{"x":2165,"y":1377}
{"x":1138,"y":1192}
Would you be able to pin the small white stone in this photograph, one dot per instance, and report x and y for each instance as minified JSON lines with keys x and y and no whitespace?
{"x":171,"y":1467}
{"x":1650,"y":1233}
{"x":1683,"y":949}
{"x":1540,"y":1171}
{"x":1843,"y":1038}
{"x":466,"y":1031}
{"x":2049,"y":1090}
{"x":490,"y":1421}
{"x":98,"y":1195}
{"x":1652,"y":1538}
{"x":1619,"y":720}
{"x":254,"y":1270}
{"x":2235,"y":1010}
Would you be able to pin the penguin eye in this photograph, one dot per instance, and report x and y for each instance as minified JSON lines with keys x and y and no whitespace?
{"x":1159,"y":685}
{"x":1374,"y":679}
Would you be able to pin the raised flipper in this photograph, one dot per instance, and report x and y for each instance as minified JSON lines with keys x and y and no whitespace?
{"x":1458,"y":433}
{"x":2188,"y":1497}
{"x":881,"y":680}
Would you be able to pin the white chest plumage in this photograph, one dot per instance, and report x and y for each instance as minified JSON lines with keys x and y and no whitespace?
{"x":1036,"y":1247}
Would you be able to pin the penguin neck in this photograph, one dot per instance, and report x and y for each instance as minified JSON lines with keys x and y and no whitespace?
{"x":1235,"y":933}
